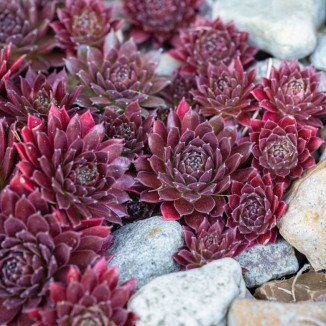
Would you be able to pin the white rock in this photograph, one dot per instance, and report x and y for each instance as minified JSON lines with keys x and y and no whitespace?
{"x":167,"y":65}
{"x":198,"y":297}
{"x":144,"y":249}
{"x":318,"y":58}
{"x":268,"y":262}
{"x":285,"y":29}
{"x":322,"y":85}
{"x":304,"y":223}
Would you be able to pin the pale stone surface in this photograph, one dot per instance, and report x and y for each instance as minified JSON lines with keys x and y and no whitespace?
{"x":285,"y":29}
{"x":304,"y":223}
{"x":246,"y":312}
{"x":144,"y":249}
{"x":167,"y":65}
{"x":318,"y":58}
{"x":268,"y":262}
{"x":308,"y":287}
{"x":198,"y":297}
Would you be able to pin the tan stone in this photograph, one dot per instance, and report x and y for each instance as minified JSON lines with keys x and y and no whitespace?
{"x":308,"y":287}
{"x":304,"y":223}
{"x":246,"y":312}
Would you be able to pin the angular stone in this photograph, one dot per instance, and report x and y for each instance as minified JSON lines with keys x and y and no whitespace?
{"x":144,"y":249}
{"x":318,"y":57}
{"x":308,"y":287}
{"x":267,"y":262}
{"x":285,"y":29}
{"x":304,"y":223}
{"x":167,"y":65}
{"x":246,"y":312}
{"x":197,"y":297}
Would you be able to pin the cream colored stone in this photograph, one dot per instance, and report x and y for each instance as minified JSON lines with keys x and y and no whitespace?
{"x":246,"y":312}
{"x":304,"y":223}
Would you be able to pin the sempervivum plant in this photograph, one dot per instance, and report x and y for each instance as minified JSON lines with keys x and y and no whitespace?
{"x":91,"y":298}
{"x":7,"y":151}
{"x":191,"y":165}
{"x":35,"y":250}
{"x":129,"y":126}
{"x":81,"y":176}
{"x":292,"y":91}
{"x":227,"y":91}
{"x":36,"y":93}
{"x":213,"y":42}
{"x":159,"y":19}
{"x":84,"y":22}
{"x":25,"y":24}
{"x":254,"y":207}
{"x":119,"y":75}
{"x":210,"y":242}
{"x":180,"y":87}
{"x":7,"y":67}
{"x":282,"y":147}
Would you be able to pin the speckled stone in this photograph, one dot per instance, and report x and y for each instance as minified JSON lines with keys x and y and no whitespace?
{"x":198,"y":297}
{"x":144,"y":249}
{"x":246,"y":312}
{"x":268,"y":262}
{"x":304,"y":223}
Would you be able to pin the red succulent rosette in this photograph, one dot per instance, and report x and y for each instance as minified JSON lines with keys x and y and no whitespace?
{"x":84,"y":22}
{"x":7,"y":151}
{"x":226,"y":91}
{"x":119,"y":75}
{"x":212,"y":42}
{"x":191,"y":165}
{"x":283,"y":147}
{"x":130,"y":126}
{"x":35,"y":249}
{"x":159,"y":19}
{"x":254,"y":207}
{"x":91,"y":298}
{"x":26,"y":24}
{"x":78,"y":174}
{"x":290,"y":91}
{"x":181,"y":86}
{"x":210,"y":242}
{"x":7,"y":67}
{"x":36,"y":93}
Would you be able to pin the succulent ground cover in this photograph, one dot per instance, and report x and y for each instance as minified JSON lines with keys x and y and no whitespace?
{"x":92,"y":137}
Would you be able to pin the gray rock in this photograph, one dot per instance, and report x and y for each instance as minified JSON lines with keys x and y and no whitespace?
{"x":144,"y":249}
{"x":318,"y":58}
{"x":268,"y":262}
{"x":322,"y":85}
{"x":285,"y":29}
{"x":304,"y":223}
{"x":167,"y":65}
{"x":198,"y":297}
{"x":262,"y":67}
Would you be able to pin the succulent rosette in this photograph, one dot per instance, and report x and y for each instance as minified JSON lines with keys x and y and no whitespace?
{"x":210,"y":242}
{"x":26,"y":24}
{"x":119,"y":75}
{"x":35,"y":250}
{"x":91,"y":298}
{"x":7,"y":67}
{"x":254,"y":207}
{"x":282,"y":147}
{"x":191,"y":165}
{"x":226,"y":91}
{"x":159,"y":19}
{"x":290,"y":91}
{"x":180,"y":87}
{"x":84,"y":22}
{"x":78,"y":174}
{"x":7,"y":151}
{"x":130,"y":126}
{"x":36,"y":94}
{"x":213,"y":42}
